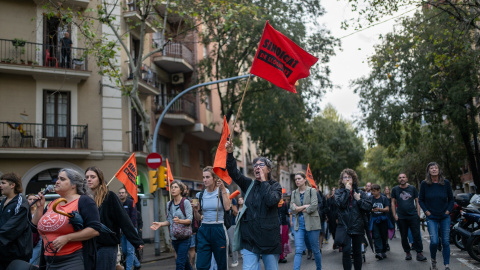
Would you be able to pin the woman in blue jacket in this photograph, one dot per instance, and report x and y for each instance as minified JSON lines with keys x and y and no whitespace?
{"x":436,"y":200}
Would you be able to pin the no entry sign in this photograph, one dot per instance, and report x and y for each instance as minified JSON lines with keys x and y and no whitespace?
{"x":154,"y":160}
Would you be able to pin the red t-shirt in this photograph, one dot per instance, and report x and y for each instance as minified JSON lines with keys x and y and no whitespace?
{"x":52,"y":225}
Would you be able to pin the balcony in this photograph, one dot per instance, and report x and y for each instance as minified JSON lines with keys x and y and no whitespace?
{"x":134,"y":19}
{"x":175,"y":58}
{"x":34,"y":140}
{"x":43,"y":60}
{"x":182,"y":113}
{"x":149,"y":84}
{"x":68,"y":3}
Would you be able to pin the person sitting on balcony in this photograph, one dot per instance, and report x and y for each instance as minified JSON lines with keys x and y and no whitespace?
{"x":66,"y":45}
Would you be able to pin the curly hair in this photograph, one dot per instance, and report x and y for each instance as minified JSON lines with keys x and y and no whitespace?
{"x":428,"y":177}
{"x":350,"y":172}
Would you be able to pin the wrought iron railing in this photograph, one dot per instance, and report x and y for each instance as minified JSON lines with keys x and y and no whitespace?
{"x":15,"y":134}
{"x":178,"y":50}
{"x":38,"y":54}
{"x":148,"y":76}
{"x":181,"y":106}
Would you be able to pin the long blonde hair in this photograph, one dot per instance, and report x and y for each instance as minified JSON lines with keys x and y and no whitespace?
{"x":101,"y":191}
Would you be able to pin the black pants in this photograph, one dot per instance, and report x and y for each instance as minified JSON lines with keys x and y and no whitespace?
{"x":66,"y":58}
{"x":332,"y":227}
{"x":380,"y":236}
{"x":414,"y":224}
{"x":352,"y":242}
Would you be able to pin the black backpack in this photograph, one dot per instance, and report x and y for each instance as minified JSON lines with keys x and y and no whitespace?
{"x":227,"y":215}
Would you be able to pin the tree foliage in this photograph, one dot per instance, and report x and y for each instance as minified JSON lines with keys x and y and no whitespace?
{"x":424,"y":76}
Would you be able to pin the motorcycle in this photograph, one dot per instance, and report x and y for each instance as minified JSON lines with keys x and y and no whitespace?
{"x":469,"y":228}
{"x":467,"y":222}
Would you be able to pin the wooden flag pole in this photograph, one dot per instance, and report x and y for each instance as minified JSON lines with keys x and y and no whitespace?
{"x":240,"y":106}
{"x":110,"y":180}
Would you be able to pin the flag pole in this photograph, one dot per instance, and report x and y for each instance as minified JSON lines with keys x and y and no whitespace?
{"x":110,"y":180}
{"x":240,"y":106}
{"x":169,"y":189}
{"x":218,"y":200}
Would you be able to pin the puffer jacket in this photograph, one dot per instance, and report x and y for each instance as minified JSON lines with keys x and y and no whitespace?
{"x":259,"y":225}
{"x":351,"y":213}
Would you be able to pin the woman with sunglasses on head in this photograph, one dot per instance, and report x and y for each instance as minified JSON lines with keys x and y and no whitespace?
{"x":352,"y":205}
{"x":307,"y":220}
{"x":258,"y":222}
{"x":112,"y":215}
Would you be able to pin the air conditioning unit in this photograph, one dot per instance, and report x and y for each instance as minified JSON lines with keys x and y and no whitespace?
{"x":177,"y":78}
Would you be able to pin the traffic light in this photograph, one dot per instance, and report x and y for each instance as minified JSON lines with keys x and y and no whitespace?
{"x":152,"y":181}
{"x":162,"y":177}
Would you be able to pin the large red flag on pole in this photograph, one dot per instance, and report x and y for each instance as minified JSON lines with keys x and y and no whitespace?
{"x":169,"y":176}
{"x":280,"y":61}
{"x":310,"y":177}
{"x":220,"y":163}
{"x":128,"y":176}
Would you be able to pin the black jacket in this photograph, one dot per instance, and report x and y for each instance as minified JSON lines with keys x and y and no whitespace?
{"x":114,"y":216}
{"x":259,"y":226}
{"x":351,"y":213}
{"x":332,"y":213}
{"x":16,"y":240}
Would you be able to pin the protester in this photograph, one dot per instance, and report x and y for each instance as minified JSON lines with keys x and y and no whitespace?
{"x":283,"y":213}
{"x":212,"y":234}
{"x":379,"y":221}
{"x":231,"y":230}
{"x":112,"y":216}
{"x":64,"y":247}
{"x":332,"y":215}
{"x":307,"y":220}
{"x":127,"y":248}
{"x":407,"y":215}
{"x":368,"y":189}
{"x":240,"y":203}
{"x":351,"y":202}
{"x":322,"y":212}
{"x":259,"y":224}
{"x":176,"y":215}
{"x":15,"y":235}
{"x":37,"y":242}
{"x":191,"y":250}
{"x":436,"y":200}
{"x":388,"y":194}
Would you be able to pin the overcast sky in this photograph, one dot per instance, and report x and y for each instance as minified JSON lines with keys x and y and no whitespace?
{"x":350,"y":63}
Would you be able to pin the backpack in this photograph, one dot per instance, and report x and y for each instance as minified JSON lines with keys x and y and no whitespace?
{"x":195,"y":223}
{"x":227,"y":215}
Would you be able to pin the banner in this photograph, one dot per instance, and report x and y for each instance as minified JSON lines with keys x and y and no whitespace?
{"x":128,"y":176}
{"x":169,"y":176}
{"x":280,"y":61}
{"x":220,"y":163}
{"x":310,"y":177}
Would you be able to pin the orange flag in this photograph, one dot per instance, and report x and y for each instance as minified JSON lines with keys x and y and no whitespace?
{"x":220,"y":164}
{"x":128,"y":176}
{"x":169,"y":176}
{"x":310,"y":177}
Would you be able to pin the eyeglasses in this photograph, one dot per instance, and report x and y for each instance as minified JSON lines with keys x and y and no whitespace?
{"x":347,"y":177}
{"x":261,"y":165}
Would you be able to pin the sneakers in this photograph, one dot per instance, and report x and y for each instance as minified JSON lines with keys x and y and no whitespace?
{"x":408,"y":256}
{"x":379,"y":256}
{"x":290,"y":235}
{"x":420,"y":257}
{"x":310,"y":255}
{"x":235,"y":264}
{"x":446,"y":267}
{"x":282,"y":260}
{"x":384,"y":255}
{"x":434,"y":265}
{"x":388,"y":247}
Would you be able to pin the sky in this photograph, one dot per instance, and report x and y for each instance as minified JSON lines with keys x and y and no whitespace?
{"x":352,"y":62}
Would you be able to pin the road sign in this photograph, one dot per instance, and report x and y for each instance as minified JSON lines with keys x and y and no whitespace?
{"x":154,"y":160}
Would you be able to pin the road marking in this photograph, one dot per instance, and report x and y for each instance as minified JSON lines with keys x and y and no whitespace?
{"x":469,"y":265}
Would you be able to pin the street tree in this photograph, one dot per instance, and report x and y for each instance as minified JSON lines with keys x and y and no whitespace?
{"x":424,"y":75}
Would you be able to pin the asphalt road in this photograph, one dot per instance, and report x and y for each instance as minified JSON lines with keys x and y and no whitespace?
{"x":332,"y":259}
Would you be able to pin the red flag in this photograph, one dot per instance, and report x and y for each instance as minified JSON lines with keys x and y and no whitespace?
{"x":169,"y":176}
{"x":220,"y":163}
{"x":310,"y":177}
{"x":280,"y":61}
{"x":128,"y":176}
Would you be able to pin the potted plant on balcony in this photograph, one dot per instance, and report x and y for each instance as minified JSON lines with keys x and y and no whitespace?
{"x":18,"y":42}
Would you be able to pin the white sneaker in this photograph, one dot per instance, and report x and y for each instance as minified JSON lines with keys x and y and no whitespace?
{"x":234,"y":264}
{"x":290,"y":235}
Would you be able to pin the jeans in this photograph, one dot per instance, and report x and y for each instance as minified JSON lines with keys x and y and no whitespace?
{"x":407,"y":226}
{"x":251,"y":261}
{"x":231,"y":231}
{"x":300,"y":243}
{"x":352,"y":241}
{"x":35,"y":260}
{"x":380,"y":236}
{"x":129,"y":251}
{"x":106,"y":258}
{"x":182,"y":247}
{"x":433,"y":226}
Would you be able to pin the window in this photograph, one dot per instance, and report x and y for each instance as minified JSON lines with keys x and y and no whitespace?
{"x":163,"y":147}
{"x":56,"y":118}
{"x":185,"y":155}
{"x":201,"y":160}
{"x":208,"y":100}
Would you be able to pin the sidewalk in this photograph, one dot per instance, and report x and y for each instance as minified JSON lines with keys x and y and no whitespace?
{"x":149,"y":253}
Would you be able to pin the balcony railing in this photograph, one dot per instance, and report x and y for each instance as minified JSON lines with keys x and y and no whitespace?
{"x":38,"y":54}
{"x":148,"y":76}
{"x":181,"y":106}
{"x":33,"y":135}
{"x":178,"y":50}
